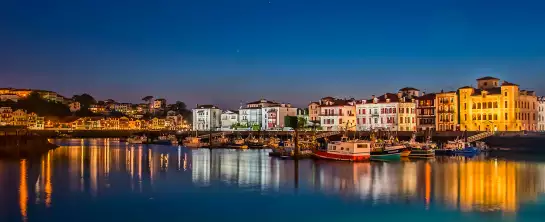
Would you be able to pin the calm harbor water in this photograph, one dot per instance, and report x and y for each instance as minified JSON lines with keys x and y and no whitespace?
{"x":103,"y":180}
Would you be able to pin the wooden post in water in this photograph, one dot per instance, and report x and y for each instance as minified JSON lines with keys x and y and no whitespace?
{"x":296,"y":141}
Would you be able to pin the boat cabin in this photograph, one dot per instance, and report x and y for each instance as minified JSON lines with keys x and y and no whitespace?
{"x":349,"y":147}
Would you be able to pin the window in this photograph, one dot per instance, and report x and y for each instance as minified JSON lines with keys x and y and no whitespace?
{"x":363,"y":121}
{"x":362,"y":146}
{"x":413,"y":119}
{"x":358,"y":121}
{"x":495,"y":104}
{"x":478,"y":105}
{"x":407,"y":110}
{"x":478,"y":116}
{"x":484,"y":105}
{"x":465,"y":106}
{"x":401,"y":120}
{"x":505,"y":94}
{"x":489,"y":116}
{"x":376,"y":121}
{"x":505,"y":104}
{"x":390,"y":110}
{"x":474,"y":106}
{"x":489,"y":105}
{"x":395,"y":110}
{"x":506,"y":117}
{"x":465,"y":117}
{"x":484,"y":116}
{"x":495,"y":116}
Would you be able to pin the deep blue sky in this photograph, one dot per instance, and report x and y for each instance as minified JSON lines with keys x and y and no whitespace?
{"x":224,"y":51}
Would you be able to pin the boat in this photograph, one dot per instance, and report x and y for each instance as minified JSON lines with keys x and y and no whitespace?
{"x":255,"y":143}
{"x":346,"y":150}
{"x":137,"y":139}
{"x":450,"y":146}
{"x":426,"y":149}
{"x":238,"y":144}
{"x":194,"y":142}
{"x":382,"y":153}
{"x":221,"y":141}
{"x":389,"y":150}
{"x":467,"y":150}
{"x":162,"y":140}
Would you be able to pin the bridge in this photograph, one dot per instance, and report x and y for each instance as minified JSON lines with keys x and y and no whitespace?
{"x":479,"y":136}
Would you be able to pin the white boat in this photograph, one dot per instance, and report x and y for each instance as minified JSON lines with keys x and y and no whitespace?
{"x":347,"y":150}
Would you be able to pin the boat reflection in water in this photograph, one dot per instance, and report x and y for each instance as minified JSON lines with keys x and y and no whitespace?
{"x":101,"y":169}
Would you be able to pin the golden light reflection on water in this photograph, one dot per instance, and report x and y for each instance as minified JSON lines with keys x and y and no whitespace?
{"x":478,"y":185}
{"x":23,"y":189}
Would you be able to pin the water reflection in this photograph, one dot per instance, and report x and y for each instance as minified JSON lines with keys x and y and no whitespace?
{"x":97,"y":166}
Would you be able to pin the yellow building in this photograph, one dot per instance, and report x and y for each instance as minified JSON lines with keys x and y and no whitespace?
{"x":447,"y":111}
{"x":495,"y":107}
{"x":20,"y":118}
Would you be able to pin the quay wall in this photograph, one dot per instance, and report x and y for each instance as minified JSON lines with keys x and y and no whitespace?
{"x":24,"y":146}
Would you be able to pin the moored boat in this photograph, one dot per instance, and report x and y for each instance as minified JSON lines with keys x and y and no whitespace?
{"x":238,"y":144}
{"x":194,"y":142}
{"x":137,"y":139}
{"x":346,"y":150}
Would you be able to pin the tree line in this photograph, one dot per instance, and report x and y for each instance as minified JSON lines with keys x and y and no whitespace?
{"x":42,"y":107}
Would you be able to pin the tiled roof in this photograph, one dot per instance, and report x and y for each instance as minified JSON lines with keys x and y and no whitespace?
{"x":488,"y":78}
{"x":207,"y":107}
{"x":260,"y":101}
{"x":491,"y":91}
{"x":382,"y":99}
{"x":338,"y":102}
{"x":427,"y":96}
{"x":505,"y":83}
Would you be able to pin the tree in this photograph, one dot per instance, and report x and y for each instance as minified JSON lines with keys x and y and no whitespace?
{"x":35,"y":103}
{"x":147,"y":99}
{"x":85,"y":100}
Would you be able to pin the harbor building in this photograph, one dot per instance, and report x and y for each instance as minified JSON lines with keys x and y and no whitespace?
{"x":426,"y":112}
{"x":206,"y":117}
{"x":378,"y":113}
{"x":314,"y":112}
{"x":228,"y":119}
{"x":337,"y":114}
{"x":495,"y":107}
{"x":274,"y":115}
{"x":447,"y":111}
{"x":541,"y":114}
{"x":251,"y":115}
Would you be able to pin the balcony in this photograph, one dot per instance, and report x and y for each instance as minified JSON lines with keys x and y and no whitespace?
{"x":329,"y":114}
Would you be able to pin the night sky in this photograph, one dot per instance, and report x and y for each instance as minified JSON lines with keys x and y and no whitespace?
{"x":225,"y":51}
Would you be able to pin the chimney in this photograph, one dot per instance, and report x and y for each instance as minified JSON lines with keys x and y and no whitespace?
{"x":399,"y":94}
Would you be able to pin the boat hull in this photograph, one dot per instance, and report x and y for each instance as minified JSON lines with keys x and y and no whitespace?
{"x":467,"y":150}
{"x":444,"y":152}
{"x":386,"y":154}
{"x":422,"y":153}
{"x":342,"y":157}
{"x":406,"y":152}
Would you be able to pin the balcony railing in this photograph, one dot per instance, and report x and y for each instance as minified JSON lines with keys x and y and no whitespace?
{"x":329,"y":114}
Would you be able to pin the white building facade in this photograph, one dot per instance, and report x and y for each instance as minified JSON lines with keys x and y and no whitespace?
{"x":541,"y":114}
{"x":228,"y":119}
{"x":378,"y":113}
{"x":206,"y":117}
{"x":251,"y":115}
{"x":337,"y":114}
{"x":273,"y":116}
